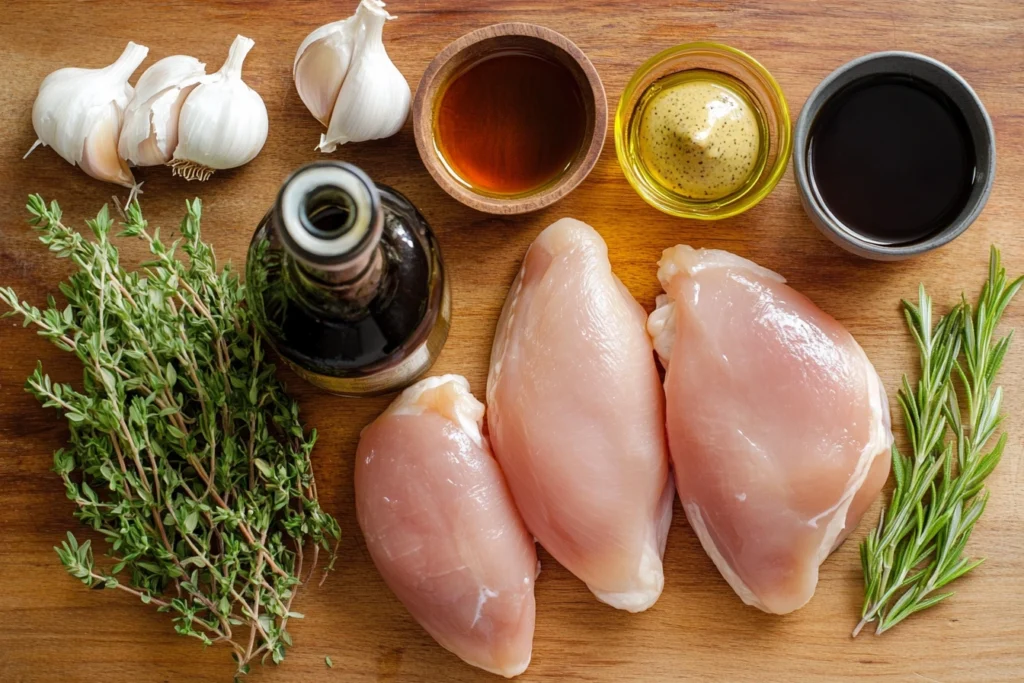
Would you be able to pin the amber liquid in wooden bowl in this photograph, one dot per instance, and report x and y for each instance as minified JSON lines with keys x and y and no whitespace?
{"x":510,"y":123}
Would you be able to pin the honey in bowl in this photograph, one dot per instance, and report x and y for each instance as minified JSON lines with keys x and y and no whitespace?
{"x":510,"y":123}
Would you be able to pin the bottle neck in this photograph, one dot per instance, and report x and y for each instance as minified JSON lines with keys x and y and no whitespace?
{"x":329,"y":219}
{"x":342,"y":299}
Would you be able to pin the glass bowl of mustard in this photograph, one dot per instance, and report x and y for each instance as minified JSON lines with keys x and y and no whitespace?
{"x":703,"y":131}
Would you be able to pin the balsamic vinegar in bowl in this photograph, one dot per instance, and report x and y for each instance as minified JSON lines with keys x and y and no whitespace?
{"x":895,"y":155}
{"x":892,"y":158}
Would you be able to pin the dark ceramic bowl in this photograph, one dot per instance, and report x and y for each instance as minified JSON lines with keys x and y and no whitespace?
{"x":945,"y":79}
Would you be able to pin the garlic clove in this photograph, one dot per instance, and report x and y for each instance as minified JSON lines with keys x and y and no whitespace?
{"x":322,"y":61}
{"x":76,"y":110}
{"x":173,"y":71}
{"x":99,"y":152}
{"x":328,"y":29}
{"x":150,"y":131}
{"x":320,"y":69}
{"x":223,"y":122}
{"x":374,"y":99}
{"x":159,"y":125}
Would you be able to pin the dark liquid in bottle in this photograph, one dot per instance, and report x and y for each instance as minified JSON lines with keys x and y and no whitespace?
{"x":511,"y":122}
{"x":333,"y":341}
{"x":892,"y":158}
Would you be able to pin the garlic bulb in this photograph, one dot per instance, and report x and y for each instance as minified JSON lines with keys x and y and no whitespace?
{"x":347,"y":81}
{"x":223,"y":122}
{"x":79,"y":112}
{"x":150,"y":131}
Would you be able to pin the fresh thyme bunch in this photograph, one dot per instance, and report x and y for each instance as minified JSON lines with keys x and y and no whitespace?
{"x":185,"y":453}
{"x":919,"y":544}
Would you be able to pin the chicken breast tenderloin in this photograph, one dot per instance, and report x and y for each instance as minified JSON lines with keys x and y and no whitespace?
{"x":441,"y":526}
{"x":576,"y":418}
{"x":778,"y":424}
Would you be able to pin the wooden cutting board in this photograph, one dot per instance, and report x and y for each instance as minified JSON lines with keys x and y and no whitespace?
{"x":52,"y":628}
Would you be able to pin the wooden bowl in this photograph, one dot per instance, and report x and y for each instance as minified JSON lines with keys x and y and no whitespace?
{"x":470,"y":48}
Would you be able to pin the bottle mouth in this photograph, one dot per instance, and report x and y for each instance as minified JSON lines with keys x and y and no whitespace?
{"x":329,"y":213}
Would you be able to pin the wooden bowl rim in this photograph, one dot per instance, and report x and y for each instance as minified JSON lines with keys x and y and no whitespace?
{"x":423,"y":123}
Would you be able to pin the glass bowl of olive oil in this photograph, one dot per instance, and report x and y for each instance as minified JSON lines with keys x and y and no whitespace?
{"x":703,"y":131}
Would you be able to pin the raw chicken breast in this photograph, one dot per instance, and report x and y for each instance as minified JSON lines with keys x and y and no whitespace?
{"x":778,"y":424}
{"x":441,"y":526}
{"x":576,"y":417}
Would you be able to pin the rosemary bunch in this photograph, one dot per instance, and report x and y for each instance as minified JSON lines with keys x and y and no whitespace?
{"x":185,"y":453}
{"x":918,"y":546}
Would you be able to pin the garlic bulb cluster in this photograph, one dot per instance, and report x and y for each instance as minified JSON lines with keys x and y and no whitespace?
{"x":78,"y":112}
{"x":347,"y":81}
{"x":177,"y":115}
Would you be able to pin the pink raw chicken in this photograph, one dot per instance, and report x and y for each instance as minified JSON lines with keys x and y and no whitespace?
{"x":441,"y":526}
{"x":778,"y":424}
{"x":576,"y":417}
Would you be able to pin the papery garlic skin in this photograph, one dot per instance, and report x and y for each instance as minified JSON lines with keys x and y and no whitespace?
{"x":78,"y":112}
{"x":374,"y":99}
{"x":149,"y":134}
{"x":223,"y":122}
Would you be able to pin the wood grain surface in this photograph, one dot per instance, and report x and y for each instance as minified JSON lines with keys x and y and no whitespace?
{"x":52,"y":628}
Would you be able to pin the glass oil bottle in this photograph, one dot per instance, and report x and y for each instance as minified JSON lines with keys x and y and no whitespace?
{"x":345,"y":280}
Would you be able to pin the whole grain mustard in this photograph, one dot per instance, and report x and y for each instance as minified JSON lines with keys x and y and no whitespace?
{"x":700,"y":139}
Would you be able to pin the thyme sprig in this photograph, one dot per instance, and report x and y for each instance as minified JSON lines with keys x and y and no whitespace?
{"x":185,"y":453}
{"x":918,"y":547}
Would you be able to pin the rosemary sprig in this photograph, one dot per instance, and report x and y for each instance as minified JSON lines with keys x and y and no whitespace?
{"x":918,"y":547}
{"x":185,"y":453}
